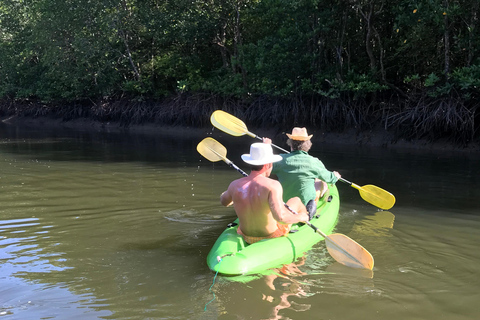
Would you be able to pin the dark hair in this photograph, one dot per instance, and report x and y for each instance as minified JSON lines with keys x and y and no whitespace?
{"x":299,"y":145}
{"x":256,"y":168}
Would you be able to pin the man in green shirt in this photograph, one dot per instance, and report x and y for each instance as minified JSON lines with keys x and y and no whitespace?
{"x":300,"y":174}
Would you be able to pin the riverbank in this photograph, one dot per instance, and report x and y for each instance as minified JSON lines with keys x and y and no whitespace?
{"x":441,"y":124}
{"x":349,"y":138}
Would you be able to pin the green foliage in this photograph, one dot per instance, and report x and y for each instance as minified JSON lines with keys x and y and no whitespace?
{"x":76,"y":49}
{"x":468,"y":78}
{"x":360,"y":85}
{"x":465,"y":81}
{"x":431,"y":80}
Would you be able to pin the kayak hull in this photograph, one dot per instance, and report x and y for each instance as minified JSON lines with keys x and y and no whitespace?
{"x":231,"y":255}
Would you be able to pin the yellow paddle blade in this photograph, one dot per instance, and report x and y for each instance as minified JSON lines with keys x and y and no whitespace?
{"x":229,"y":124}
{"x":348,"y":252}
{"x":212,"y":150}
{"x":376,"y":196}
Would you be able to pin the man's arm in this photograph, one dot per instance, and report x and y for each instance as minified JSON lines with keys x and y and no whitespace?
{"x":326,"y":175}
{"x":226,"y":199}
{"x":278,"y":209}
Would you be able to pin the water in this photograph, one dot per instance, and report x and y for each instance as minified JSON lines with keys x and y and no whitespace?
{"x":118,"y":226}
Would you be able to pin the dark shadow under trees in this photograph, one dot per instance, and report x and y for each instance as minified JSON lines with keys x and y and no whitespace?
{"x":420,"y":116}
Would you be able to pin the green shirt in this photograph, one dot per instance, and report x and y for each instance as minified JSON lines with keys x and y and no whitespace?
{"x":297,"y":172}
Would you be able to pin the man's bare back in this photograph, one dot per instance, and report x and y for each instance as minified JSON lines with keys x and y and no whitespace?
{"x":258,"y":203}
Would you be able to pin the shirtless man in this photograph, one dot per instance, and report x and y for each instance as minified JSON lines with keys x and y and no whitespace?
{"x":258,"y":201}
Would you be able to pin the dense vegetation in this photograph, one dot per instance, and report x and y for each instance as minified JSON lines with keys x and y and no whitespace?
{"x":412,"y":67}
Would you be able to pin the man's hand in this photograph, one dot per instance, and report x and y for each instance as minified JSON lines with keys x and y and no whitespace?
{"x":305,"y":217}
{"x":338,"y":175}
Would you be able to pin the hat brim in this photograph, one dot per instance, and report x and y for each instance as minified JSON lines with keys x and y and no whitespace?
{"x":300,"y":138}
{"x":261,"y":162}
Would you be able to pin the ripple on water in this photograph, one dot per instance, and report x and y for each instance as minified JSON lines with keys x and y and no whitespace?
{"x":193,"y":216}
{"x":20,"y":256}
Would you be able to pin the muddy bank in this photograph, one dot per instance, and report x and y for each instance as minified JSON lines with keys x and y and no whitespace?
{"x":348,"y":138}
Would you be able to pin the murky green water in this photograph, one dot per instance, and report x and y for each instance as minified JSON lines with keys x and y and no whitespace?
{"x":118,"y":226}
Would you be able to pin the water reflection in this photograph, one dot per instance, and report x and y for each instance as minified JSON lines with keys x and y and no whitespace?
{"x":290,"y":290}
{"x":262,"y":296}
{"x":27,"y":254}
{"x":115,"y":226}
{"x":96,"y":228}
{"x":287,"y":288}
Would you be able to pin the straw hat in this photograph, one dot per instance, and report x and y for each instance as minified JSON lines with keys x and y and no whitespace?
{"x":260,"y":154}
{"x":299,"y":134}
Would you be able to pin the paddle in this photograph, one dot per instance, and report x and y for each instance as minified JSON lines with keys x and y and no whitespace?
{"x":234,"y":126}
{"x":343,"y":249}
{"x":374,"y":195}
{"x":214,"y":151}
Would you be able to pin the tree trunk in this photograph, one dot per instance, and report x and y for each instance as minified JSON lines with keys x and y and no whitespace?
{"x":238,"y":43}
{"x":446,"y":40}
{"x":471,"y":33}
{"x":368,"y":38}
{"x":340,"y":46}
{"x":124,"y":35}
{"x":220,"y":41}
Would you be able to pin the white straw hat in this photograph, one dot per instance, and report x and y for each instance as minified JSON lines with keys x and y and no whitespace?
{"x":260,"y":154}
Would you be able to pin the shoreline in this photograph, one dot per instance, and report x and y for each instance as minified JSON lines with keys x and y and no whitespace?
{"x":371,"y":138}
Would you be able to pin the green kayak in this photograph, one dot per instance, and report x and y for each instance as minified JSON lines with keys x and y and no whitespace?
{"x":231,"y":255}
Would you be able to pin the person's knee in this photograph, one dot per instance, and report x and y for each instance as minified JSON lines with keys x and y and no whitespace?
{"x":296,"y":204}
{"x":294,"y":201}
{"x":320,"y":188}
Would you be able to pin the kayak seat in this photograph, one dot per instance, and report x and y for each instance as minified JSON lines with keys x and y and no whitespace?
{"x":316,"y":216}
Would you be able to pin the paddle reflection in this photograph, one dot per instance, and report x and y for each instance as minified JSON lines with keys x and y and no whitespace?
{"x":377,"y":224}
{"x":339,"y":269}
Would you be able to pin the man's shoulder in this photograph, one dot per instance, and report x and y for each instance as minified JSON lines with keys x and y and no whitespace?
{"x":265,"y":180}
{"x":300,"y":156}
{"x":272,"y":183}
{"x":237,"y":181}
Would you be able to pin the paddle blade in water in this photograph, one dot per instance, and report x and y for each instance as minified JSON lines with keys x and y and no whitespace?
{"x":212,"y":150}
{"x":348,"y":252}
{"x":377,"y":196}
{"x":228,"y":123}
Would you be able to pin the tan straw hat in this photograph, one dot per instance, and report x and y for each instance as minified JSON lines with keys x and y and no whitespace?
{"x":299,"y":134}
{"x":260,"y":154}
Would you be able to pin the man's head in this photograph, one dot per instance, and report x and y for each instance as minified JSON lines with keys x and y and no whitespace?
{"x":261,"y":154}
{"x":299,"y":139}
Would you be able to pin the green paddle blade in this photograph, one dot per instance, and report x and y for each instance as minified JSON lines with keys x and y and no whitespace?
{"x":229,"y":124}
{"x":376,"y":196}
{"x":212,"y":150}
{"x":348,"y":252}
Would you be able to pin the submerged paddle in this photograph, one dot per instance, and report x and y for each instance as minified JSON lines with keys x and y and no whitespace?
{"x":343,"y":249}
{"x":236,"y":127}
